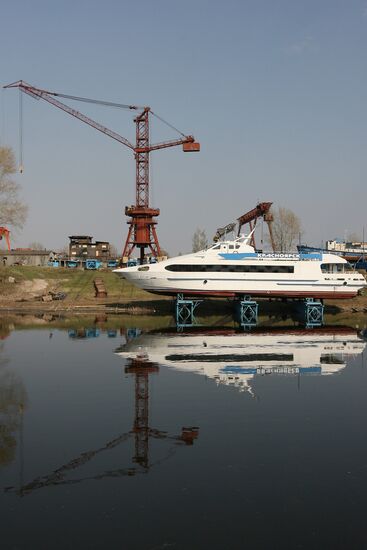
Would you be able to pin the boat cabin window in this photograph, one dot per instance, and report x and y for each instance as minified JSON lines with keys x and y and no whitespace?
{"x":348,"y":268}
{"x":225,"y":247}
{"x":143,"y":268}
{"x":336,"y":268}
{"x":243,"y":268}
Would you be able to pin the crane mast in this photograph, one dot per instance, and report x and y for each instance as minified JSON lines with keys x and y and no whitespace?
{"x":142,"y":233}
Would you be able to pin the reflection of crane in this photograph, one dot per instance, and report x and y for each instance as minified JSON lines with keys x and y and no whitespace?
{"x":262,"y":209}
{"x":141,"y":367}
{"x":4,"y":232}
{"x":142,"y":233}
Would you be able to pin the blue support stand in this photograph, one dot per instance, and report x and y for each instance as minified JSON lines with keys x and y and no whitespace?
{"x":313,"y":313}
{"x":185,"y":311}
{"x":247,"y":312}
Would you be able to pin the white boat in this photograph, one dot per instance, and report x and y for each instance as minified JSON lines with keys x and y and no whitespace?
{"x":234,"y":268}
{"x":235,"y":359}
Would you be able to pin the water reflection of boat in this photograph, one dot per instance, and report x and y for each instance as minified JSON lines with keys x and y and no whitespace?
{"x":234,"y":358}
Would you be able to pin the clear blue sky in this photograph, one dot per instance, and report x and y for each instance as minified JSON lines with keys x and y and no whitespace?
{"x":274,"y":91}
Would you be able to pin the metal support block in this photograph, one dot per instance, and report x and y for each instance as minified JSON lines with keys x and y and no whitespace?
{"x":247,"y":312}
{"x":185,"y":311}
{"x":313,"y":313}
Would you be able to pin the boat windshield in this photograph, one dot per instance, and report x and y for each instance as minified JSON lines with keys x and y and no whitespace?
{"x":231,"y":245}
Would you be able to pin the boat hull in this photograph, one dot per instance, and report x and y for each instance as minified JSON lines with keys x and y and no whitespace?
{"x":227,"y":288}
{"x":331,"y":295}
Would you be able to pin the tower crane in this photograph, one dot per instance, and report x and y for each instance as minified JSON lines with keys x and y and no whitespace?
{"x":142,"y":233}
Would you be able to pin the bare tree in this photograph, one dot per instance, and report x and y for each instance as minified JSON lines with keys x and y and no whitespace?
{"x":286,"y":229}
{"x":12,"y":210}
{"x":36,"y":246}
{"x":64,"y":250}
{"x":353,"y":237}
{"x":113,"y":251}
{"x":199,"y":240}
{"x":164,"y":252}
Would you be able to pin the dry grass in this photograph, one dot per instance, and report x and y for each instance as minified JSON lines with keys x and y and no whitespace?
{"x":77,"y":284}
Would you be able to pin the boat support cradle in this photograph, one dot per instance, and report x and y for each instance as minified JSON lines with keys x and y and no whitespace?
{"x":247,"y":312}
{"x":310,"y":312}
{"x":313,"y":313}
{"x":185,"y":311}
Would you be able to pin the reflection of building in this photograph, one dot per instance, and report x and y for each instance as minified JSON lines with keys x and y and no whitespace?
{"x":236,"y":358}
{"x":82,"y":246}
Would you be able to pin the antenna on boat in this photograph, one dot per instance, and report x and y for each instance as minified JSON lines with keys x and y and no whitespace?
{"x":248,"y":237}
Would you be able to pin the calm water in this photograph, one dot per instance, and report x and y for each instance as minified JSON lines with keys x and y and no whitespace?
{"x":158,"y":440}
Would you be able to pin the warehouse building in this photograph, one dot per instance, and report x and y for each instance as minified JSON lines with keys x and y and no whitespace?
{"x":27,"y":256}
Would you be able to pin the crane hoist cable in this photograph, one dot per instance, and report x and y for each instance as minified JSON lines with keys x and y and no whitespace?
{"x":98,"y":101}
{"x":167,"y":123}
{"x":118,"y":105}
{"x":21,"y":132}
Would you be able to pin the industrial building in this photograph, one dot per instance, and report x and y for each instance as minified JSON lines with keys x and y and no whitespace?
{"x":27,"y":256}
{"x":82,"y":246}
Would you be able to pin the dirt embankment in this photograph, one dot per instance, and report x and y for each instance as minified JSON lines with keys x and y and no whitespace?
{"x":15,"y":291}
{"x":29,"y":288}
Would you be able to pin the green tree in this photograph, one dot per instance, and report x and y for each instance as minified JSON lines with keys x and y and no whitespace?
{"x":13,"y":211}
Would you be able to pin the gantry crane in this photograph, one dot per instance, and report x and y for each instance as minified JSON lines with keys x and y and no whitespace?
{"x":4,"y":232}
{"x":262,"y":209}
{"x":142,"y":233}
